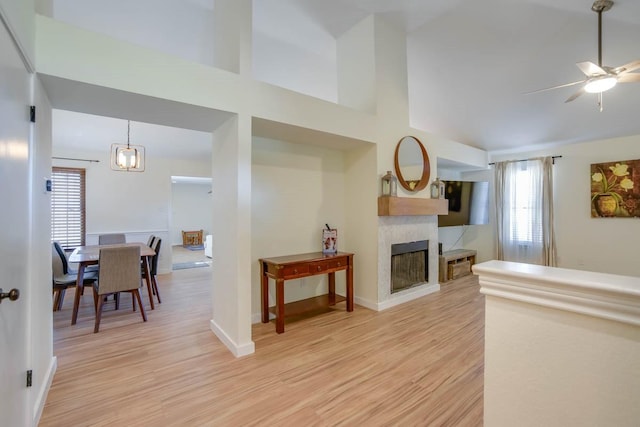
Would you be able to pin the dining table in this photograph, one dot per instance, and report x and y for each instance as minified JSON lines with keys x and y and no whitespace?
{"x":85,"y":256}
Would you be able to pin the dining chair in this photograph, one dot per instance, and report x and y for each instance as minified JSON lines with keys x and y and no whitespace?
{"x":63,"y":277}
{"x":119,"y":272}
{"x":150,"y":241}
{"x":112,"y":239}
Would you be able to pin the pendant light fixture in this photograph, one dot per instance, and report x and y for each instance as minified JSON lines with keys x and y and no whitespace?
{"x":127,"y":158}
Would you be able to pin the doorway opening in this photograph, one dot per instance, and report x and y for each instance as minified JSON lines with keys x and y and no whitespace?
{"x":191,"y":207}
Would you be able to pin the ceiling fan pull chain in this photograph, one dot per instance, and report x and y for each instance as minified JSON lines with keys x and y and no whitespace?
{"x":600,"y":101}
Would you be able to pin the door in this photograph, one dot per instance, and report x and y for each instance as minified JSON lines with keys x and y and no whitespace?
{"x":14,"y":232}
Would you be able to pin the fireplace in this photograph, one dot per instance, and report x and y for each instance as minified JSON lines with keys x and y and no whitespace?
{"x":409,"y":265}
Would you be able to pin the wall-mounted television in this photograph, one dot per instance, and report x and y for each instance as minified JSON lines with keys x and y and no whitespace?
{"x":468,"y":203}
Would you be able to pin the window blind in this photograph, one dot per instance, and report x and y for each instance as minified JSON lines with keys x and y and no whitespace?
{"x":68,"y":207}
{"x":526,"y":210}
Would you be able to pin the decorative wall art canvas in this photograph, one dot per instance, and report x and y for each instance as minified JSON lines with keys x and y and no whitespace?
{"x":615,"y":189}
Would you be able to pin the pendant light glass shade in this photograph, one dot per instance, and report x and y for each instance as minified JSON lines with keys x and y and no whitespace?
{"x":128,"y":158}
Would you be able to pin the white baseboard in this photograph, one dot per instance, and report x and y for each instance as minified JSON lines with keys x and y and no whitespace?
{"x":257,"y":317}
{"x":371,"y":305}
{"x":377,"y":306}
{"x":237,"y":350}
{"x":405,"y":296}
{"x":38,"y":406}
{"x":409,"y":295}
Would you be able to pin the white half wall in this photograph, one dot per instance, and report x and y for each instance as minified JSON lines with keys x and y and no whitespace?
{"x":561,"y":346}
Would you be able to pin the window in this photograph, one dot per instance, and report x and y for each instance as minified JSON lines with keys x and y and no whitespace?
{"x":68,"y":207}
{"x":524,"y":211}
{"x":526,"y":227}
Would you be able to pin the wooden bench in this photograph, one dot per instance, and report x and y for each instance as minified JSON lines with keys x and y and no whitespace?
{"x":455,"y":264}
{"x":192,"y":238}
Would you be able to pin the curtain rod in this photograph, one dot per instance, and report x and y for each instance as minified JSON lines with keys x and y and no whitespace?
{"x":553,"y":158}
{"x":78,"y":160}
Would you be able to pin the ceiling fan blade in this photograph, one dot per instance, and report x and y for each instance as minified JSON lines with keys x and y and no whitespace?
{"x":629,"y":78}
{"x":575,"y":95}
{"x":555,"y":87}
{"x":631,"y":66}
{"x":590,"y":69}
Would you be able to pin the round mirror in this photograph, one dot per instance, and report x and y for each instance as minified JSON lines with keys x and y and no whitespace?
{"x":412,"y":164}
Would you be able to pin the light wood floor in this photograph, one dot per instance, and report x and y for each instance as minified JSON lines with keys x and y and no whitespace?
{"x":181,"y":254}
{"x":418,"y":364}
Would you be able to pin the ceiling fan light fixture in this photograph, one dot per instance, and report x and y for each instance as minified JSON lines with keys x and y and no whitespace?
{"x":600,"y":84}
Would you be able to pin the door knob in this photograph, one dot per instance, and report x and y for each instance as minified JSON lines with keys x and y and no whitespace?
{"x":13,"y":295}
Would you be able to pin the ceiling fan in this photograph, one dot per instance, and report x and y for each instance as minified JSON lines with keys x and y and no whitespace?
{"x":601,"y":78}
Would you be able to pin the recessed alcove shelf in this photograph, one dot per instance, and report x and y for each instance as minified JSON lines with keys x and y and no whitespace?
{"x":411,"y":206}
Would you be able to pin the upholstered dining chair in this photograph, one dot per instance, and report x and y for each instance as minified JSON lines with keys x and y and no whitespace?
{"x":63,"y":277}
{"x":119,"y":272}
{"x":151,"y":240}
{"x":112,"y":239}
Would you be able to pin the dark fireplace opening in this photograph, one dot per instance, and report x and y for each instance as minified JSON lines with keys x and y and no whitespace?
{"x":409,"y":265}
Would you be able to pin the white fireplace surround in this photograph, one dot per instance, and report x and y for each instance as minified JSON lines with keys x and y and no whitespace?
{"x":404,"y":229}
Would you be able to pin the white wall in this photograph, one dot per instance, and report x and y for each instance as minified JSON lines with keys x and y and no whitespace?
{"x":135,"y":203}
{"x":20,"y":20}
{"x":362,"y":219}
{"x":189,"y":23}
{"x":356,"y":67}
{"x":585,"y":243}
{"x":191,"y":207}
{"x":296,"y":190}
{"x":290,"y":50}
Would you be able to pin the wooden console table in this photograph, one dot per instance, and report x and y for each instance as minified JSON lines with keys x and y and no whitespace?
{"x":299,"y":266}
{"x":456,"y":263}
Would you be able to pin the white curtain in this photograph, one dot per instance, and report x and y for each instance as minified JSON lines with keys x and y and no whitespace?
{"x":524,"y":211}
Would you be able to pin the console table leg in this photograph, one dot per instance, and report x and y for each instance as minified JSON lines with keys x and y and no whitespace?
{"x":332,"y":288}
{"x":279,"y":306}
{"x":264,"y":292}
{"x":350,"y":284}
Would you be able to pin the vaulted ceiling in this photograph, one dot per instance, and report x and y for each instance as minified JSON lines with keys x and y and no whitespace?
{"x":471,"y":61}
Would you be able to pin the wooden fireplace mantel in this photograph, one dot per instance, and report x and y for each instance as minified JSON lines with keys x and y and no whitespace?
{"x":399,"y":206}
